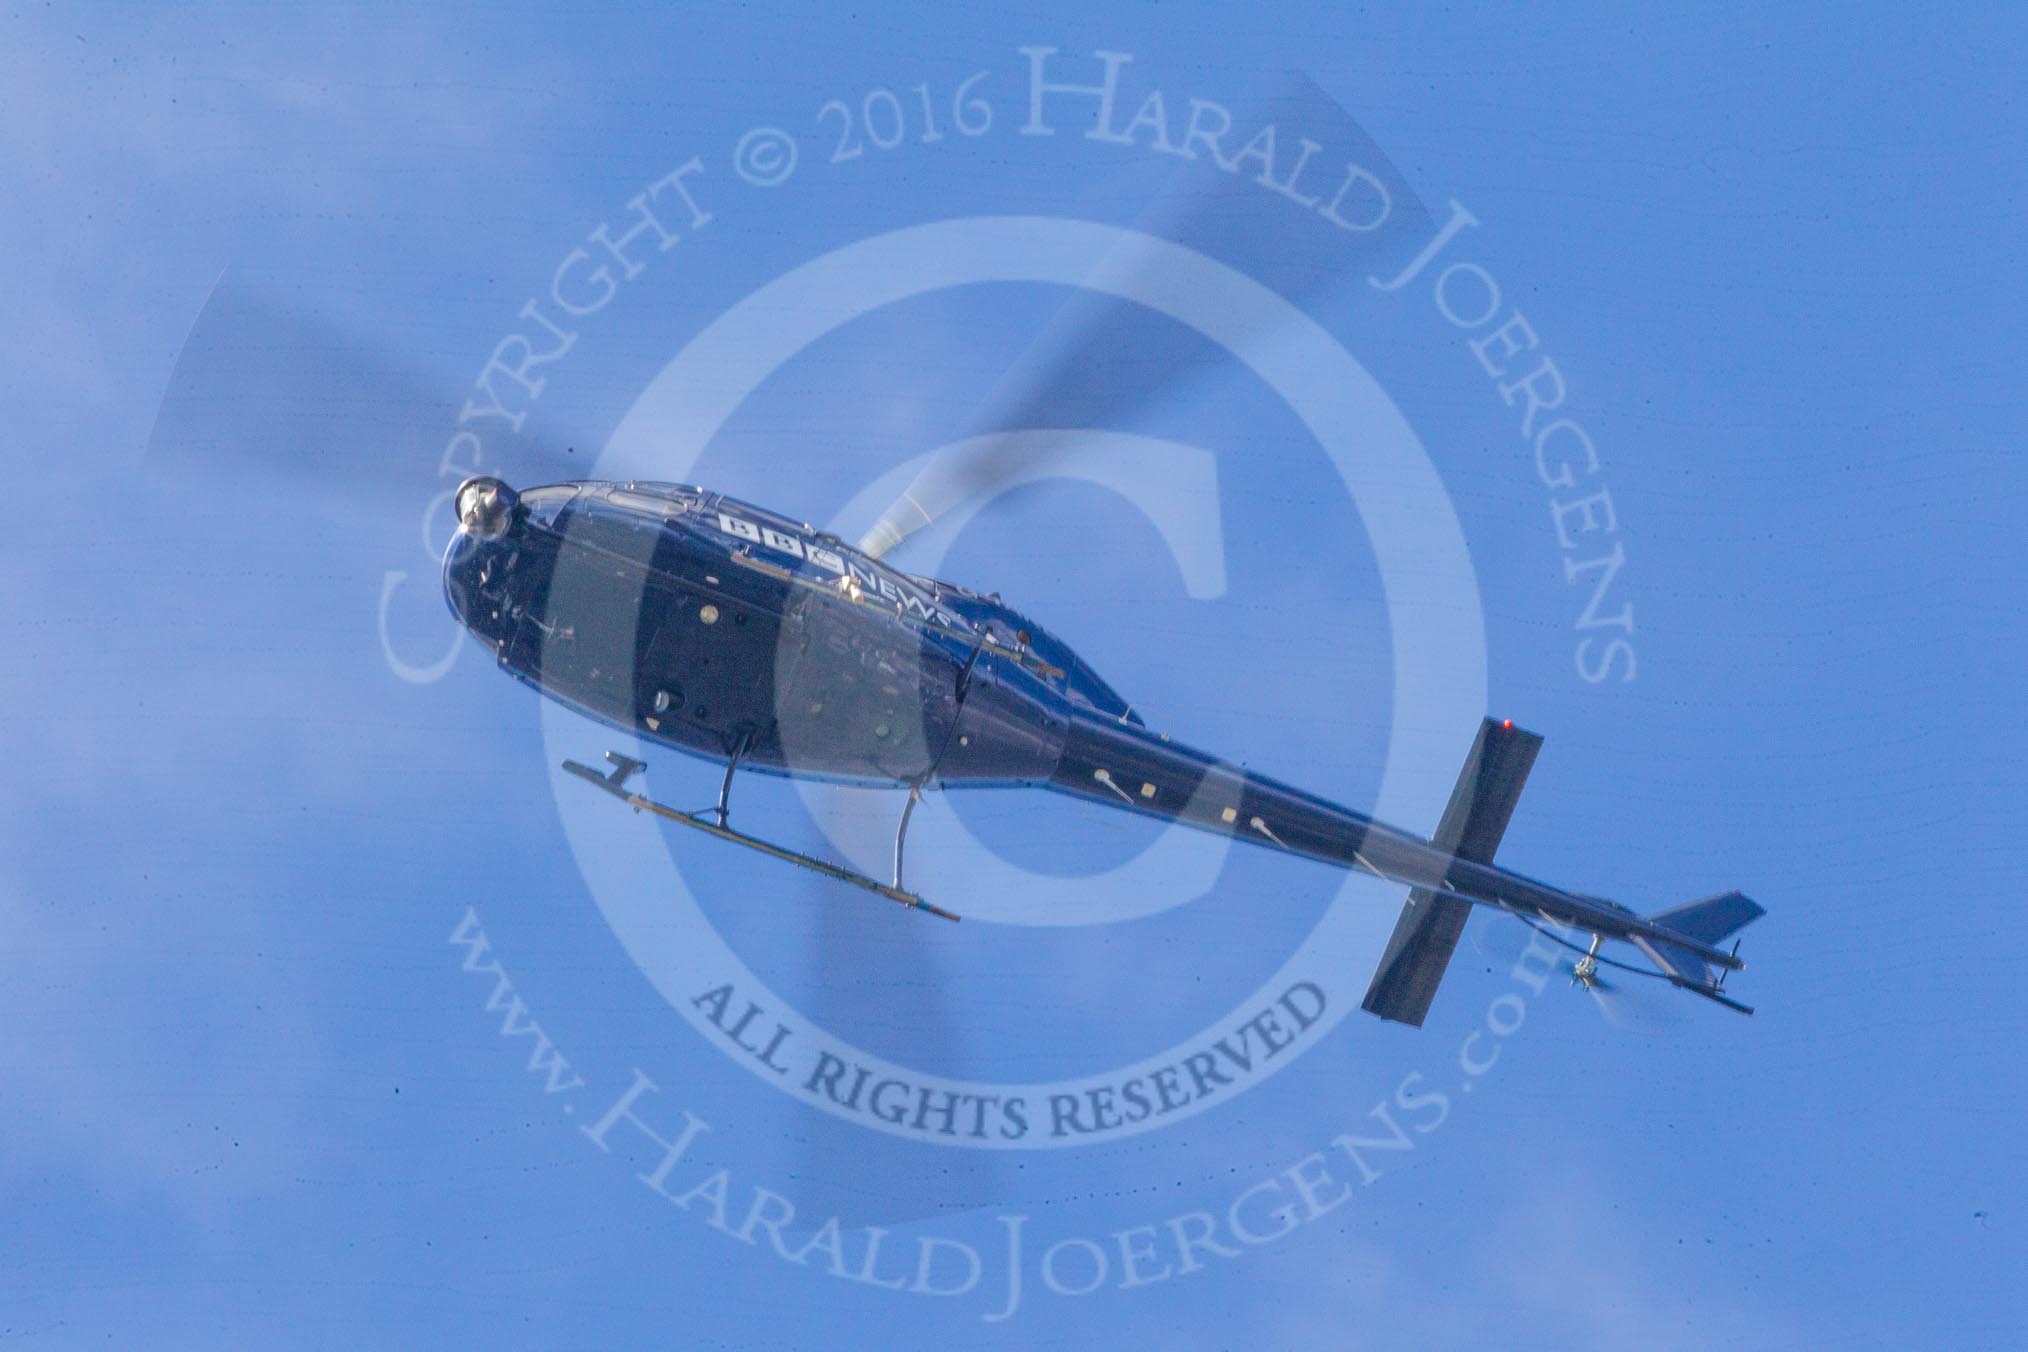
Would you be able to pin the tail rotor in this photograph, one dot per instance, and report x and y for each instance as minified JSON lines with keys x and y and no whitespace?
{"x":1512,"y":944}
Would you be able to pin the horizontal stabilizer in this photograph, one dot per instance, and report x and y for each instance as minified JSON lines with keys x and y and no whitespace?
{"x":1427,"y":932}
{"x":1713,"y":919}
{"x":1707,"y":923}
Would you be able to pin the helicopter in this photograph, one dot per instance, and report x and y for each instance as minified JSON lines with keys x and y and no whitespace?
{"x":723,"y":630}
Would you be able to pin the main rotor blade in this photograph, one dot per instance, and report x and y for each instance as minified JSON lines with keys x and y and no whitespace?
{"x":855,"y":960}
{"x":276,"y":396}
{"x":1303,"y":173}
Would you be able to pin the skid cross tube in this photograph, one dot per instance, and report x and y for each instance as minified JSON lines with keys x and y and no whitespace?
{"x":625,"y":767}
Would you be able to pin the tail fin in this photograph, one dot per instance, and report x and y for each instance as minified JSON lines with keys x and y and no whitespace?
{"x":1707,"y":923}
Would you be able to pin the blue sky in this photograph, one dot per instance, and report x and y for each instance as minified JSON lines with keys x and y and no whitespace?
{"x":252,"y":1098}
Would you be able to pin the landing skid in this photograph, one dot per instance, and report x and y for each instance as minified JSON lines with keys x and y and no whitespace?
{"x":626,"y":767}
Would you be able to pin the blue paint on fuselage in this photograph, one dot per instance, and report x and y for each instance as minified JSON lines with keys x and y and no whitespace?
{"x":706,"y":624}
{"x":713,"y":627}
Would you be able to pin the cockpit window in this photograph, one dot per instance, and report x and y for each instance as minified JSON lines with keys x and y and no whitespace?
{"x":654,"y":499}
{"x":671,"y":497}
{"x":546,"y":504}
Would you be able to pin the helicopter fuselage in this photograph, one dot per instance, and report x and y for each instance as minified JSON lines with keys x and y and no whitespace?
{"x":723,"y":630}
{"x":714,"y":627}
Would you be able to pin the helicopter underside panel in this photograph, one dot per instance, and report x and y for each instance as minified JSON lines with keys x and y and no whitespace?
{"x":699,"y":668}
{"x":859,"y":695}
{"x":685,"y":638}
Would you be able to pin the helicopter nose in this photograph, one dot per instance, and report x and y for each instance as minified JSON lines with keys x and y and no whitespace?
{"x":469,"y":563}
{"x":485,"y":507}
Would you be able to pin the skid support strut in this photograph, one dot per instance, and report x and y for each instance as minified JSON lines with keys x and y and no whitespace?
{"x":625,"y":768}
{"x":901,"y":832}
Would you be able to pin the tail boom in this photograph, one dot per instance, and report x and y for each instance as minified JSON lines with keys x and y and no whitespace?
{"x":1125,"y":766}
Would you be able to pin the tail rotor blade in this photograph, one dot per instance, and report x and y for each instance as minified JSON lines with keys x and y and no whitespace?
{"x":1625,"y":1000}
{"x":1638,"y":1007}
